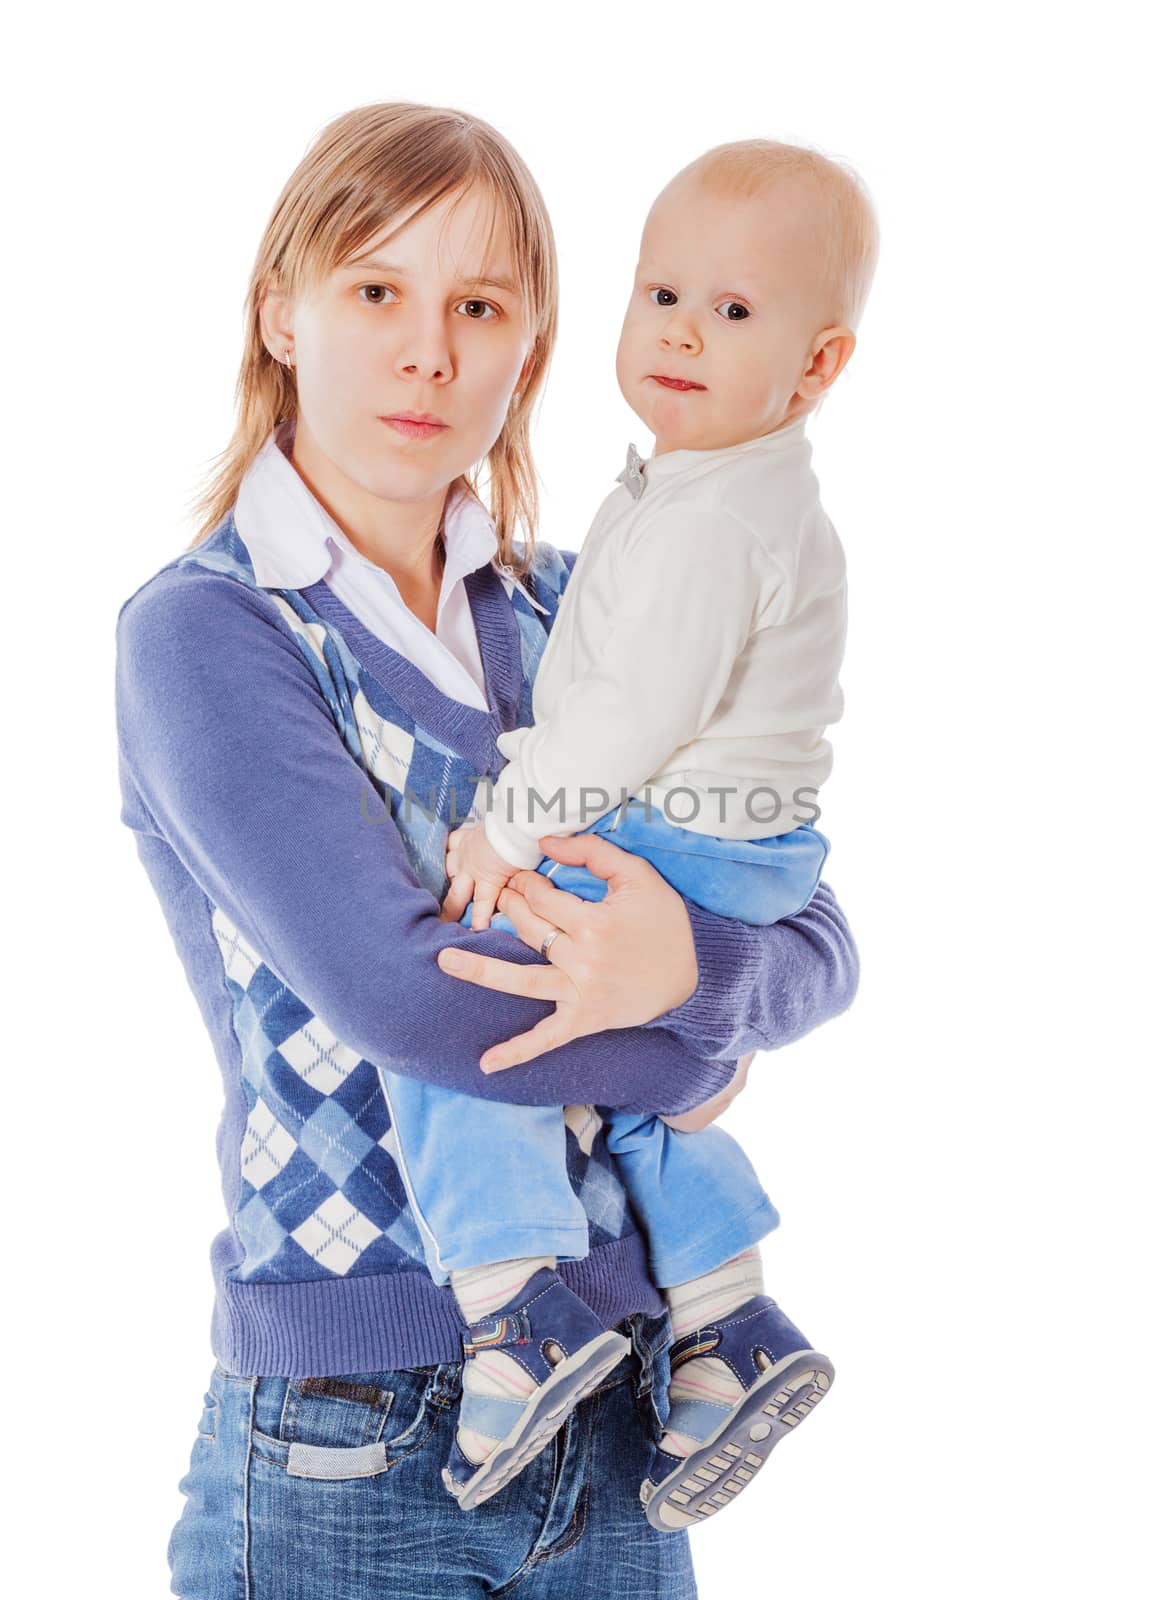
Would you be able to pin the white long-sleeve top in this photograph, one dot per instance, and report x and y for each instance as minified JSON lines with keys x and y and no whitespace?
{"x":696,"y":649}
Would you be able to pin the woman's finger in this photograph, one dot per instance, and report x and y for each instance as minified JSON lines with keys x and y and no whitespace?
{"x":547,"y":1035}
{"x":507,"y":977}
{"x":559,"y":908}
{"x":533,"y":928}
{"x":597,"y":854}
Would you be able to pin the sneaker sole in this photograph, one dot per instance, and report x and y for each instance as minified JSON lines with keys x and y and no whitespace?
{"x":548,"y":1409}
{"x":726,"y":1463}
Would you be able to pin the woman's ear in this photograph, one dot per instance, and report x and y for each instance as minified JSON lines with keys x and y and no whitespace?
{"x":276,"y":321}
{"x":523,"y":375}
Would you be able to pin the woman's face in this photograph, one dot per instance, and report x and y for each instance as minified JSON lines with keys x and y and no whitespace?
{"x":429,"y":321}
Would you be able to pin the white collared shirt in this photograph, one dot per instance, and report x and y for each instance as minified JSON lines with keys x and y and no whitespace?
{"x":293,"y":541}
{"x":695,"y":657}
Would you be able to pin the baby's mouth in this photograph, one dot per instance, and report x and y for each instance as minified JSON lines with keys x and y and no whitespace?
{"x":675,"y":383}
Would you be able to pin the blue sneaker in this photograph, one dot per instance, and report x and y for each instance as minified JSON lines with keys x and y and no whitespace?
{"x":783,"y":1380}
{"x":557,"y":1339}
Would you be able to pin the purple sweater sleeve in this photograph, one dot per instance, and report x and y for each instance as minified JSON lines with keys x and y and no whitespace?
{"x":230,"y":755}
{"x":763,"y":987}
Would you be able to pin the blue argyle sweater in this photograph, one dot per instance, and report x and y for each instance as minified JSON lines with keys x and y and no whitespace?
{"x":316,"y":1198}
{"x":290,"y":781}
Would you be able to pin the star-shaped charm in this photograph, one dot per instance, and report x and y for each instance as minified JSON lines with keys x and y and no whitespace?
{"x":632,"y":477}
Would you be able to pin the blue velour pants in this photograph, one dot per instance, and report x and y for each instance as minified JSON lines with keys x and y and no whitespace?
{"x":487,"y":1181}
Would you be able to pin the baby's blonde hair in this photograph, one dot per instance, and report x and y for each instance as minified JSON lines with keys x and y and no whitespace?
{"x":851,"y":232}
{"x":366,"y":167}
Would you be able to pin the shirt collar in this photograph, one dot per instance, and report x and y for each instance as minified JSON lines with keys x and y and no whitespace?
{"x":288,"y":531}
{"x":638,"y":473}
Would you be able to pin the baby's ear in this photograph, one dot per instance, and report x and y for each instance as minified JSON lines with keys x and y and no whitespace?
{"x":829,"y":354}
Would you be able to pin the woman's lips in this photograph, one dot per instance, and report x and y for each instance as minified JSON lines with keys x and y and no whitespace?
{"x":414,"y":430}
{"x":676,"y":383}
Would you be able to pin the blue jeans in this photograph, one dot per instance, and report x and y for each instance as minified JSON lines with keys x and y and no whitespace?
{"x":487,"y":1181}
{"x":329,"y":1489}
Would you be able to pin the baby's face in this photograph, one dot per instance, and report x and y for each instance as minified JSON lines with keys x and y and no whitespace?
{"x":726,"y":299}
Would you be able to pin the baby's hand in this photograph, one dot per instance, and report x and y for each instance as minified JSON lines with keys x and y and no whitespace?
{"x":709,"y":1110}
{"x":475,"y":872}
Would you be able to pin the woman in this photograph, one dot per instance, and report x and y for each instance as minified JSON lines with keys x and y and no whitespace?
{"x":306,"y":699}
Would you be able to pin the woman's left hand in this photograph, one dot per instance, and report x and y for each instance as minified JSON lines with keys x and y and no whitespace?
{"x":616,"y":963}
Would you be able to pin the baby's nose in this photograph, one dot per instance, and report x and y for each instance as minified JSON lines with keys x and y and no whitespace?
{"x":680,"y":341}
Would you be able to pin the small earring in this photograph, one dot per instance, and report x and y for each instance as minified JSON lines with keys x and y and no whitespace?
{"x":289,"y":358}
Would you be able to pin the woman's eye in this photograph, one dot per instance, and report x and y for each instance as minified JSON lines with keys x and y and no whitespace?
{"x":737,"y":312}
{"x":481,"y":310}
{"x":662,"y":297}
{"x":382,"y":290}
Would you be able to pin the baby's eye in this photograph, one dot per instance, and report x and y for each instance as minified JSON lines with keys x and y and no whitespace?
{"x":484,"y":312}
{"x":663,"y":297}
{"x":737,"y":312}
{"x":383,"y":291}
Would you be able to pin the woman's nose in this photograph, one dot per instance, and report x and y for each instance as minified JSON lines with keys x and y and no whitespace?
{"x":434,"y":369}
{"x":426,"y":353}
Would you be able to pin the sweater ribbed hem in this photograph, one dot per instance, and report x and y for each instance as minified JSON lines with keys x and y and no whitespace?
{"x":327,"y":1327}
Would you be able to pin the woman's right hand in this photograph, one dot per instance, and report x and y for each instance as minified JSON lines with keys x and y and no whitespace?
{"x":617,"y":963}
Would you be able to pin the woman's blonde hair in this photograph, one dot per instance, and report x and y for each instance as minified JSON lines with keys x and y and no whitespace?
{"x":364,"y":168}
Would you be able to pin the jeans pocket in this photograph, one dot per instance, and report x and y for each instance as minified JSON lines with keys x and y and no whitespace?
{"x":337,"y":1428}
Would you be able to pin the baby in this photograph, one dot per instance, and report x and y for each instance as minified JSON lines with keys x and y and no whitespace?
{"x":693,"y":662}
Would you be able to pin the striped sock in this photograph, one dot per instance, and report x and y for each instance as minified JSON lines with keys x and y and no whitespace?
{"x":480,"y":1291}
{"x":708,"y":1298}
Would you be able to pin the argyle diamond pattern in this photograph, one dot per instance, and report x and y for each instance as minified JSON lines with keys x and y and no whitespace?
{"x":320,"y":1194}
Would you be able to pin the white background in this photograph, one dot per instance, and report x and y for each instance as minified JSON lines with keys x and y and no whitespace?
{"x":971,"y":1164}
